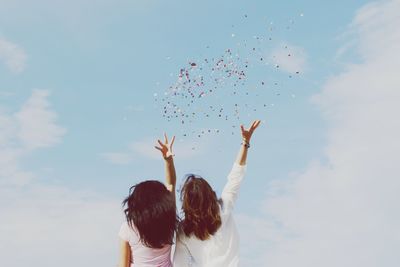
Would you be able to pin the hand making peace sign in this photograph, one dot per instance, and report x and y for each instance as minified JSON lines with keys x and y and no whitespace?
{"x":166,"y":148}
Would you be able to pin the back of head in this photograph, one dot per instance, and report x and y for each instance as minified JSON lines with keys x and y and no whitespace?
{"x":201,"y":208}
{"x":150,"y":207}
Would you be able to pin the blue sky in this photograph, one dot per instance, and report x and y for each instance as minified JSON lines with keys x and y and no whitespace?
{"x":103,"y":65}
{"x":79,"y":116}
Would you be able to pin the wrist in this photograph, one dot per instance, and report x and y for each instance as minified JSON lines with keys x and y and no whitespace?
{"x":168,"y":158}
{"x":246,"y":144}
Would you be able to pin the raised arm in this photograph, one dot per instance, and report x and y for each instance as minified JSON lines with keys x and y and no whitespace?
{"x":166,"y":151}
{"x":235,"y":177}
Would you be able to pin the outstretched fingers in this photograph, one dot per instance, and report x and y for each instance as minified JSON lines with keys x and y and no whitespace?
{"x":161,"y":143}
{"x":166,"y":138}
{"x":255,"y":125}
{"x":165,"y":147}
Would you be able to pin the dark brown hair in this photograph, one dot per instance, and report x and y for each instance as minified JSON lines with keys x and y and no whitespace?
{"x":201,"y":208}
{"x":151,"y":208}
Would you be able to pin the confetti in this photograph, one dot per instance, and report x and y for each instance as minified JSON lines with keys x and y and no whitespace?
{"x":210,"y":89}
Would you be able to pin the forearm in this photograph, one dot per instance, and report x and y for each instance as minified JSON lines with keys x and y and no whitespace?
{"x":242,"y":155}
{"x":170,"y":174}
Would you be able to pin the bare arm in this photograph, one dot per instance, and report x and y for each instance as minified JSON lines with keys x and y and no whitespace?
{"x":170,"y":174}
{"x":246,"y":135}
{"x":125,"y":254}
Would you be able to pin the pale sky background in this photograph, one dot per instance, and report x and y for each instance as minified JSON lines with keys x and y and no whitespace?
{"x":78,"y":121}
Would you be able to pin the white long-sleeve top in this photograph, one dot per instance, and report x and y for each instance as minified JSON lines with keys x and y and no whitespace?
{"x":221,"y":249}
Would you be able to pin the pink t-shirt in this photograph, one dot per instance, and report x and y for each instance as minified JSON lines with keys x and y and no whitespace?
{"x":144,"y":256}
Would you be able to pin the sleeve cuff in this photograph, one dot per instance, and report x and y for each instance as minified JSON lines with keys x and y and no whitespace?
{"x":123,"y":231}
{"x":237,"y":167}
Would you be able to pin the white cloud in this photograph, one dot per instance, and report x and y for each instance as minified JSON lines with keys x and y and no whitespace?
{"x":145,"y":149}
{"x":36,"y":122}
{"x":73,"y":15}
{"x":7,"y":128}
{"x":185,"y":149}
{"x":13,"y":56}
{"x":42,"y":224}
{"x":257,"y":235}
{"x":290,"y":58}
{"x":117,"y":158}
{"x":345,"y":212}
{"x":24,"y":131}
{"x":10,"y":169}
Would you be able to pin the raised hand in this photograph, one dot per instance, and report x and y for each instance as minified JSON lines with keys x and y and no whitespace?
{"x":165,"y":148}
{"x":247,"y":133}
{"x":170,"y":174}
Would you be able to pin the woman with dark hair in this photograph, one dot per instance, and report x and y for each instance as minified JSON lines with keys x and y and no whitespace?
{"x":151,"y":221}
{"x":207,"y":235}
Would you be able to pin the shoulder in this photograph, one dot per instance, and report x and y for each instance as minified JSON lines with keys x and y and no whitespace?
{"x":127,"y":233}
{"x":180,"y":234}
{"x":223,"y":211}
